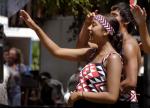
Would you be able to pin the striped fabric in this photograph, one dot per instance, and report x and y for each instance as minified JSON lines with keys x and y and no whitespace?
{"x":102,"y":20}
{"x":129,"y":96}
{"x":92,"y":78}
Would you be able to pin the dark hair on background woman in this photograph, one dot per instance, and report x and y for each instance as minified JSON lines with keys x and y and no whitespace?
{"x":19,"y":58}
{"x":116,"y":39}
{"x":127,"y":16}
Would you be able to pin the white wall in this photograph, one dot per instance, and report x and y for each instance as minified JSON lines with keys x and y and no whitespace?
{"x":60,"y":69}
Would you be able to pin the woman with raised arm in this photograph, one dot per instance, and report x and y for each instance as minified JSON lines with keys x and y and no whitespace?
{"x":99,"y":80}
{"x":140,"y":17}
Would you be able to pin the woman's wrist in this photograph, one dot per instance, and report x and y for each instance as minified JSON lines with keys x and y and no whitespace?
{"x":141,"y":24}
{"x":87,"y":23}
{"x":81,"y":95}
{"x":36,"y":28}
{"x":33,"y":25}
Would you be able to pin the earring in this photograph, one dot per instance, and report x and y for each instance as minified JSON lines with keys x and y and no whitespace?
{"x":90,"y":37}
{"x":104,"y":34}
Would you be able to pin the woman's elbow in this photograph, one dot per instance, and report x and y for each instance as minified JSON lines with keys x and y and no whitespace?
{"x":113,"y":99}
{"x":132,"y":83}
{"x":56,"y":52}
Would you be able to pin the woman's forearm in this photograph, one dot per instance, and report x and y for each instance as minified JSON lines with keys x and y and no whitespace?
{"x":102,"y":97}
{"x":145,"y":37}
{"x":63,"y":53}
{"x":83,"y":36}
{"x":52,"y":46}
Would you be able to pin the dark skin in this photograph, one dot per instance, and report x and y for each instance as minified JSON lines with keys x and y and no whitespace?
{"x":130,"y":47}
{"x":114,"y":64}
{"x":131,"y":55}
{"x":84,"y":33}
{"x":131,"y":64}
{"x":140,"y":17}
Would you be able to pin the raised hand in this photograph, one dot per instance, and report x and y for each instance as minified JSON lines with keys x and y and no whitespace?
{"x":139,"y":14}
{"x":84,"y":33}
{"x":28,"y":20}
{"x":90,"y":16}
{"x":126,"y":86}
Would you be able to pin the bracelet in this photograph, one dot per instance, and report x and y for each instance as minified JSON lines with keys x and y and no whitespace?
{"x":81,"y":95}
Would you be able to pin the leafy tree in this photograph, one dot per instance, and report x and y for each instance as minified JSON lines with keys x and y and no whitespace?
{"x":35,"y":55}
{"x":78,"y":8}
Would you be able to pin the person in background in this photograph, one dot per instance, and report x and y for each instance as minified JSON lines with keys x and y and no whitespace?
{"x":4,"y":69}
{"x":16,"y":68}
{"x":130,"y":53}
{"x":5,"y":55}
{"x":140,"y":17}
{"x":52,"y":92}
{"x":3,"y":86}
{"x":34,"y":97}
{"x":73,"y":80}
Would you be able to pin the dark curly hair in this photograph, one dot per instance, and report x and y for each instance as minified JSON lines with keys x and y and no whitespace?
{"x":126,"y":15}
{"x":116,"y":39}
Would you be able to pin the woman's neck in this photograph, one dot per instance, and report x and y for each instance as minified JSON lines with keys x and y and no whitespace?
{"x":105,"y":48}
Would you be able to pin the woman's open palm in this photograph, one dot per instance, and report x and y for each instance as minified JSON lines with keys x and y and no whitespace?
{"x":28,"y":20}
{"x":139,"y":14}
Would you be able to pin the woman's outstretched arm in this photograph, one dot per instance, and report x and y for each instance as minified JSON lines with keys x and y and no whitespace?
{"x":54,"y":49}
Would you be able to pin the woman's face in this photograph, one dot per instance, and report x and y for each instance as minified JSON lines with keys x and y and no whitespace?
{"x":96,"y":31}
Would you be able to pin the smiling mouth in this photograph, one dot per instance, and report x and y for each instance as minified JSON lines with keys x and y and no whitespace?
{"x":90,"y":35}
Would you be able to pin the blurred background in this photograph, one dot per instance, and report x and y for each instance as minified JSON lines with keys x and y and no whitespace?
{"x":62,"y":19}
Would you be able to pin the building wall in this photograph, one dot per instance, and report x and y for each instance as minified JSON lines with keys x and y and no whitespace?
{"x":3,"y":7}
{"x":57,"y":29}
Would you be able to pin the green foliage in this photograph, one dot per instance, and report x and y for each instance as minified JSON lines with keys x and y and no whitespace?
{"x":73,"y":7}
{"x":77,"y":8}
{"x":63,"y":7}
{"x":35,"y":55}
